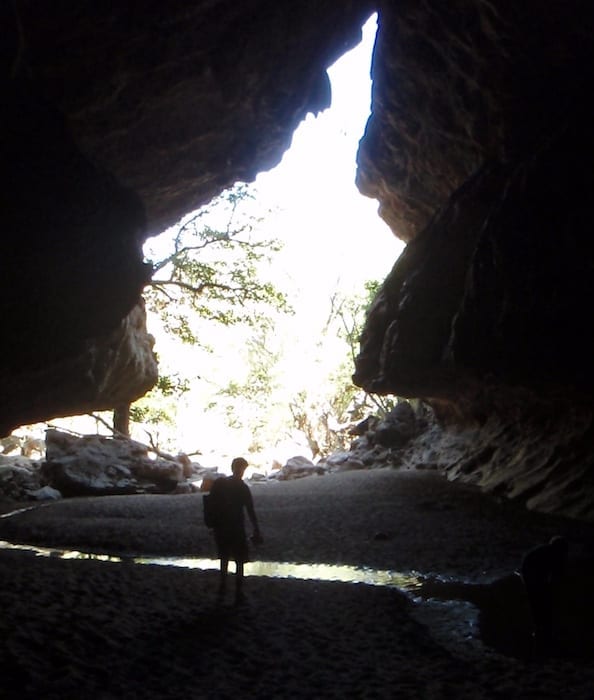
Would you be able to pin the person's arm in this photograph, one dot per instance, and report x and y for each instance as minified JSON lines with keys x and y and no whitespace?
{"x":257,"y":537}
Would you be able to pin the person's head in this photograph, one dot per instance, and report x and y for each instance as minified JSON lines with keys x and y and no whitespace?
{"x":238,"y":466}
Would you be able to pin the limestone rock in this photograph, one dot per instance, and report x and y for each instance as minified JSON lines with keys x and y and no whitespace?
{"x":343,"y":461}
{"x":111,"y":132}
{"x":18,"y":476}
{"x":299,"y":467}
{"x":116,"y":368}
{"x":397,"y":428}
{"x":45,"y":493}
{"x":96,"y":465}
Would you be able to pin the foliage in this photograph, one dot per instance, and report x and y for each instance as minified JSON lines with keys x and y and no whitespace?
{"x":158,"y":405}
{"x":214,"y":273}
{"x":211,"y":276}
{"x":351,"y":312}
{"x":248,"y":403}
{"x":208,"y":269}
{"x":326,"y":415}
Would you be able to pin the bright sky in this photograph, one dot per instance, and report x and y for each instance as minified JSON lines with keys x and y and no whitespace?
{"x":332,"y":234}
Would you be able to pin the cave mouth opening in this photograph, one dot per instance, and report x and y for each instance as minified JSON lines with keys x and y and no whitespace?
{"x":309,"y":203}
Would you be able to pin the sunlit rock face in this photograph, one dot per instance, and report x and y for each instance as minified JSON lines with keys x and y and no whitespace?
{"x":118,"y":119}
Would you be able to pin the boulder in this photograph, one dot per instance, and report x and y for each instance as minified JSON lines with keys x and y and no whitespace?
{"x":73,"y":478}
{"x":18,"y":476}
{"x":298,"y":467}
{"x":45,"y":493}
{"x":397,"y":428}
{"x":343,"y":461}
{"x":95,"y":465}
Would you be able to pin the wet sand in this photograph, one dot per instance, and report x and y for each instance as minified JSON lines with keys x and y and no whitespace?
{"x":75,"y":628}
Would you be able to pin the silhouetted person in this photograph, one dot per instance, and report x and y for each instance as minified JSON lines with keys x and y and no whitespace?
{"x":542,"y":570}
{"x":231,"y":496}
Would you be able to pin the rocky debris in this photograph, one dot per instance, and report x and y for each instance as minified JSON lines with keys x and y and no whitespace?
{"x":45,"y":493}
{"x":26,"y":445}
{"x":19,"y":477}
{"x":297,"y":468}
{"x":397,"y":428}
{"x":343,"y":461}
{"x":379,"y":441}
{"x":95,"y":465}
{"x":505,"y":455}
{"x":9,"y":444}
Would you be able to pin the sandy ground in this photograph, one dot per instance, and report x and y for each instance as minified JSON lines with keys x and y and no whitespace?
{"x":82,"y":628}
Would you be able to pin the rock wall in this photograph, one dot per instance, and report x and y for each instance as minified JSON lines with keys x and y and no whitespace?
{"x":494,"y":286}
{"x":456,"y":84}
{"x":106,"y":372}
{"x":118,"y":118}
{"x":484,"y":315}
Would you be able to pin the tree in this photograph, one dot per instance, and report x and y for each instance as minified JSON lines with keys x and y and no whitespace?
{"x":214,"y":273}
{"x":208,"y":269}
{"x":325,"y":414}
{"x":250,"y":402}
{"x":157,"y":408}
{"x":351,"y":312}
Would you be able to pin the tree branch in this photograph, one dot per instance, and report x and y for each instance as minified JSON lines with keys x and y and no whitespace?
{"x":159,"y":284}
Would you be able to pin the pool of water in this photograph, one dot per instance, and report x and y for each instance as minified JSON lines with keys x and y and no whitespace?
{"x":409,"y":582}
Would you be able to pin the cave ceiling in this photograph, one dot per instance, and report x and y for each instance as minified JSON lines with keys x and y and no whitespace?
{"x":119,"y":118}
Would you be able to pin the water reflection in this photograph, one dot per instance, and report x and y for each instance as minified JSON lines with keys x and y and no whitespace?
{"x":304,"y":572}
{"x":270,"y":569}
{"x":59,"y":553}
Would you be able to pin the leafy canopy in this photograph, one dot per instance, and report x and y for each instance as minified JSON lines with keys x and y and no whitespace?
{"x":209,"y":269}
{"x":214,"y":273}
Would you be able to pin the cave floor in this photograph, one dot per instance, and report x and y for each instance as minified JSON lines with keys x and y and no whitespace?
{"x":107,"y":629}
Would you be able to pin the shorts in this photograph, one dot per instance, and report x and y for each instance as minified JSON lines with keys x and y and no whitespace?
{"x":231,"y":544}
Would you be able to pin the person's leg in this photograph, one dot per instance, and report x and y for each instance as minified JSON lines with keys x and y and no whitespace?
{"x":239,"y":581}
{"x":223,"y":575}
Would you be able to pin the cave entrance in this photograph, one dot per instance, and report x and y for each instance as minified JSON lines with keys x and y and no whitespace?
{"x":278,"y":385}
{"x":266,"y":389}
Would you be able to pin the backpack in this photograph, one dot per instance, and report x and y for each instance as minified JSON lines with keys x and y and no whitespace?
{"x":211,"y":504}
